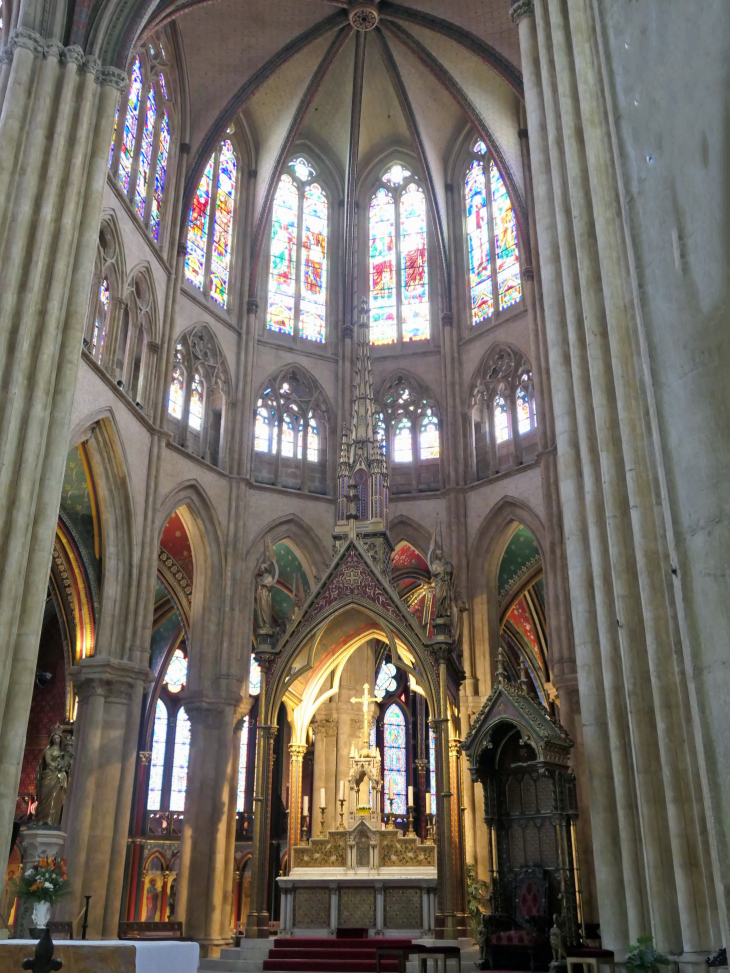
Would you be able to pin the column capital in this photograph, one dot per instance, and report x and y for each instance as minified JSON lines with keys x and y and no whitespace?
{"x":207,"y":710}
{"x":520,"y":9}
{"x":112,"y":678}
{"x":113,"y":77}
{"x":297,"y":750}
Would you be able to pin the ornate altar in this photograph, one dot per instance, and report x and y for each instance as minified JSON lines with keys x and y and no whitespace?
{"x":520,"y":755}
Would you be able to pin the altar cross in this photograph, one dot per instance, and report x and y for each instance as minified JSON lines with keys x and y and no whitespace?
{"x":366,"y":700}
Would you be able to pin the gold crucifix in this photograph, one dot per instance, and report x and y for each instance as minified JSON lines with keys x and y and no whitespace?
{"x":366,"y":700}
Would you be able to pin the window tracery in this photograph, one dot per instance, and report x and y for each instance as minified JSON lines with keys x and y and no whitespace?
{"x":198,"y":396}
{"x":297,"y":288}
{"x":409,"y":427}
{"x":134,"y":357}
{"x":398,"y":259}
{"x":290,"y":433}
{"x":170,"y":744}
{"x":140,"y":148}
{"x":210,"y":226}
{"x":503,"y":412}
{"x":491,"y":233}
{"x":103,"y":301}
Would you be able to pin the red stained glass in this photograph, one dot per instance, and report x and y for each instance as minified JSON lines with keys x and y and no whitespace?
{"x":223,"y":230}
{"x":145,"y":154}
{"x":129,"y":136}
{"x":160,"y":173}
{"x":198,"y":230}
{"x":314,"y":268}
{"x":505,"y":241}
{"x":282,"y":287}
{"x":383,"y":323}
{"x":414,"y":267}
{"x":477,"y":228}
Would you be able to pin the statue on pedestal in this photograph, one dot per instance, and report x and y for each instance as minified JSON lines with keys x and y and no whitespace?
{"x":52,"y":778}
{"x":266,"y":578}
{"x":442,"y":572}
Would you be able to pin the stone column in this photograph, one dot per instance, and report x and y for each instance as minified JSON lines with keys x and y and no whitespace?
{"x":296,"y":757}
{"x":257,"y":923}
{"x":96,"y":817}
{"x":446,"y":919}
{"x":325,"y":769}
{"x":201,"y":879}
{"x":55,"y":132}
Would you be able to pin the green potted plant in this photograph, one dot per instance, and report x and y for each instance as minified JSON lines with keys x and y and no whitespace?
{"x":642,"y":957}
{"x":44,"y":884}
{"x":476,"y":898}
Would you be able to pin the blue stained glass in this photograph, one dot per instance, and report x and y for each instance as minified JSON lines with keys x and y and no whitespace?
{"x":242,"y":763}
{"x":432,"y":767}
{"x":282,"y":267}
{"x":313,"y":264}
{"x":198,"y":230}
{"x":160,"y":172}
{"x":394,"y":758}
{"x":145,"y":153}
{"x":477,"y":228}
{"x":180,"y":758}
{"x":385,"y":682}
{"x":129,"y":136}
{"x":223,"y":227}
{"x":116,"y":123}
{"x":414,"y":266}
{"x":254,"y":678}
{"x":480,"y":148}
{"x":157,"y":762}
{"x":383,"y":323}
{"x":505,"y":241}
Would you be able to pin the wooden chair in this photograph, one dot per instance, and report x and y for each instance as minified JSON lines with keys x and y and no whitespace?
{"x":585,"y":957}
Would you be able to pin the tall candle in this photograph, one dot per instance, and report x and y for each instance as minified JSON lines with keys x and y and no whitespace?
{"x":410,"y":796}
{"x":322,"y":798}
{"x":390,"y":789}
{"x":305,"y":806}
{"x":428,"y":802}
{"x":342,"y":790}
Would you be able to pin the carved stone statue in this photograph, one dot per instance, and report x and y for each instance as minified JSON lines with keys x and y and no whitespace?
{"x":268,"y":575}
{"x":556,"y":942}
{"x":51,"y":780}
{"x":442,"y":572}
{"x":483,"y":943}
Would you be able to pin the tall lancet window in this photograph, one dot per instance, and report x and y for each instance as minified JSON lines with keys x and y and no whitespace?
{"x":394,"y":758}
{"x":180,"y":759}
{"x":398,"y":260}
{"x":494,"y":267}
{"x":170,"y":745}
{"x":242,"y":768}
{"x":140,"y":147}
{"x":297,"y":299}
{"x":211,"y":225}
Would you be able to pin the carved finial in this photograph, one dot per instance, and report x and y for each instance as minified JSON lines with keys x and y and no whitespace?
{"x":501,"y":667}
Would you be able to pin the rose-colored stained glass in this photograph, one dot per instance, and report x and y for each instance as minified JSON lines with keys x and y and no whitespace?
{"x":145,"y":153}
{"x":242,"y":765}
{"x":198,"y":230}
{"x":223,"y":229}
{"x":313,"y":264}
{"x":180,"y":758}
{"x":157,"y":762}
{"x":383,"y":302}
{"x":477,"y":228}
{"x":197,"y":398}
{"x":501,"y":420}
{"x":394,"y":758}
{"x":428,"y":437}
{"x":160,"y":173}
{"x":176,"y":676}
{"x":505,"y":241}
{"x":129,"y":135}
{"x":282,"y":267}
{"x":403,"y":442}
{"x":524,"y":419}
{"x":414,"y":266}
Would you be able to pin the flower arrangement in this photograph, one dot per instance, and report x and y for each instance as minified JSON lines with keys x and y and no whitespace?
{"x":45,"y":882}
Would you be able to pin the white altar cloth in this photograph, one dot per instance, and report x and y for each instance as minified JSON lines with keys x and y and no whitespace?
{"x":166,"y":956}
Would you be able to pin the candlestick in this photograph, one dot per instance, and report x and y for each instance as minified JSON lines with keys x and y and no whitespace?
{"x":322,"y":797}
{"x":410,"y":832}
{"x":305,"y":806}
{"x":429,"y":830}
{"x":428,"y":803}
{"x":390,"y":822}
{"x":410,"y":796}
{"x":390,"y":790}
{"x":305,"y":829}
{"x":342,"y":813}
{"x":322,"y":832}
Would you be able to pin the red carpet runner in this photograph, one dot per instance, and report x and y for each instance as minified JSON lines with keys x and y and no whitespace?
{"x":331,"y":955}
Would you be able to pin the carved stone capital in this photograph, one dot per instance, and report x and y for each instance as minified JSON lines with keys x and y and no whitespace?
{"x":520,"y":9}
{"x":325,"y":728}
{"x":27,"y":40}
{"x":252,"y":305}
{"x":454,"y":747}
{"x":528,"y":273}
{"x":113,"y":679}
{"x":144,"y":757}
{"x":113,"y":77}
{"x":208,"y":711}
{"x":347,"y":331}
{"x":447,"y":319}
{"x":74,"y":55}
{"x":297,"y":751}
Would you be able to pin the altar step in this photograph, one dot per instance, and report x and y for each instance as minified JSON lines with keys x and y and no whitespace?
{"x":300,"y":955}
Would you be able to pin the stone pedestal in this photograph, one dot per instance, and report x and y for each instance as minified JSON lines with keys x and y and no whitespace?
{"x":35,"y":843}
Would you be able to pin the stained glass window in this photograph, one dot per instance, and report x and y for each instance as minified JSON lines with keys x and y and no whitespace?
{"x":287,"y":435}
{"x":100,"y":322}
{"x":176,"y":676}
{"x":373,"y":744}
{"x":313,"y":264}
{"x":313,"y":440}
{"x":428,"y":438}
{"x":114,"y":136}
{"x":379,"y":430}
{"x":145,"y":154}
{"x":505,"y":241}
{"x":177,"y":386}
{"x":383,"y":302}
{"x":480,"y":148}
{"x":302,"y":169}
{"x":157,"y":761}
{"x":180,"y":758}
{"x":198,"y":230}
{"x":254,"y":678}
{"x":282,"y":286}
{"x":396,"y":174}
{"x":163,"y":86}
{"x":222,"y":232}
{"x":242,"y":763}
{"x":160,"y":171}
{"x":477,"y":228}
{"x":386,"y":681}
{"x":197,"y":401}
{"x":129,"y":135}
{"x":525,"y":405}
{"x":432,"y":767}
{"x":394,"y":757}
{"x":261,"y":431}
{"x":403,"y":442}
{"x":501,"y":420}
{"x":414,"y":268}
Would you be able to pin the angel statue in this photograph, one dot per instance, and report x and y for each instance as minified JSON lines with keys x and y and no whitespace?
{"x":266,"y":578}
{"x":51,"y":781}
{"x":442,"y":572}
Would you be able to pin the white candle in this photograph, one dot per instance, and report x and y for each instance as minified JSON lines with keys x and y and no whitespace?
{"x":305,"y":806}
{"x":428,"y":802}
{"x":342,"y":790}
{"x":322,"y":798}
{"x":390,"y":789}
{"x":410,"y":796}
